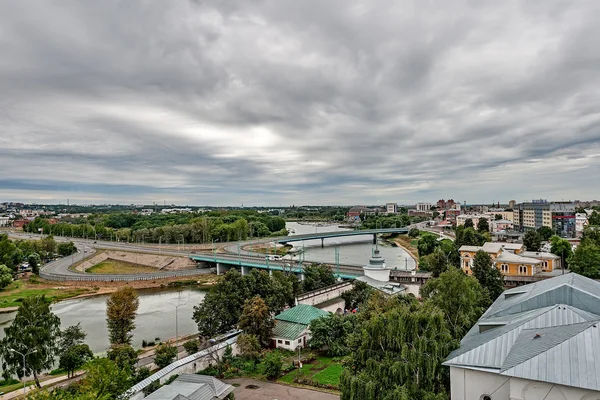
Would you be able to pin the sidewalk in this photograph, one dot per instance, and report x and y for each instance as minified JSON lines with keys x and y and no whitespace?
{"x":49,"y":382}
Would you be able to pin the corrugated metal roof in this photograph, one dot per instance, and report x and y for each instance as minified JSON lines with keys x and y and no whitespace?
{"x":288,"y":330}
{"x":573,"y":362}
{"x":301,"y":314}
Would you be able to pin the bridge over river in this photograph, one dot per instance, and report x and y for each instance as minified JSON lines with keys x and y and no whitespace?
{"x":325,"y":235}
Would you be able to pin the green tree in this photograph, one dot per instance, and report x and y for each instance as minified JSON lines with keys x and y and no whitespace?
{"x":483,"y":225}
{"x":594,"y":219}
{"x":272,"y":365}
{"x":66,"y":249}
{"x":532,"y":241}
{"x":105,"y":378}
{"x":65,"y":394}
{"x":469,"y":223}
{"x":73,"y":352}
{"x":332,"y":332}
{"x":357,"y":295}
{"x":165,"y":354}
{"x":121,"y":309}
{"x":413,"y":233}
{"x":562,"y":248}
{"x":34,"y":261}
{"x":192,"y":346}
{"x":124,"y":356}
{"x":545,"y":233}
{"x":317,"y":276}
{"x":462,"y":299}
{"x":5,"y":276}
{"x":586,"y":260}
{"x":398,"y":354}
{"x":35,"y":330}
{"x":256,"y":320}
{"x":497,"y":217}
{"x":436,"y":262}
{"x":249,"y":346}
{"x":488,"y":276}
{"x":426,"y":245}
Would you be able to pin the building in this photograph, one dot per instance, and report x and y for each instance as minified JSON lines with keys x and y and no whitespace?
{"x":507,"y":215}
{"x":192,"y":386}
{"x":423,"y":207}
{"x":356,"y":212}
{"x":4,"y":221}
{"x":377,"y":275}
{"x":558,"y":216}
{"x":502,"y":225}
{"x":581,"y":221}
{"x":511,"y":259}
{"x":462,"y":218}
{"x":538,"y":341}
{"x":291,"y":326}
{"x":512,"y":204}
{"x":391,"y":208}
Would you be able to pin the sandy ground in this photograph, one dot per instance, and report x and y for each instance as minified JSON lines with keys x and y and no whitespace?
{"x":274,"y":391}
{"x":159,"y":262}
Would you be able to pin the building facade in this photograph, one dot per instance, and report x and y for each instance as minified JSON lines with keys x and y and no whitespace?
{"x":462,"y":218}
{"x":560,"y":217}
{"x":292,"y":326}
{"x":423,"y":207}
{"x":391,"y":208}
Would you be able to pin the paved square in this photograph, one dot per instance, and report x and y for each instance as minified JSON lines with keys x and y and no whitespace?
{"x":274,"y":391}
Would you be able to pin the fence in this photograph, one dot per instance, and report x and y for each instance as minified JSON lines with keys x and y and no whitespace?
{"x":120,"y":278}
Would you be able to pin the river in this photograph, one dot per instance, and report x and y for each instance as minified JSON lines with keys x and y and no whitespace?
{"x":354,"y":250}
{"x":156,"y":316}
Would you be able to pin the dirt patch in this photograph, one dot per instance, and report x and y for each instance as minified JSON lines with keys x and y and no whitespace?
{"x":165,"y":263}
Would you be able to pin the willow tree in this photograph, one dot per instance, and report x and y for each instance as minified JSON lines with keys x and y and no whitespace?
{"x":398,"y":355}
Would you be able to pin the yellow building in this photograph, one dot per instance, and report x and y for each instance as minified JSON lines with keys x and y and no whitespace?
{"x":511,"y":259}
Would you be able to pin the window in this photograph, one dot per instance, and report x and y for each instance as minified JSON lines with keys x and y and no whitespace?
{"x":522,"y":270}
{"x":287,"y":342}
{"x":485,"y":397}
{"x":299,"y":340}
{"x":279,"y":341}
{"x":504,"y":268}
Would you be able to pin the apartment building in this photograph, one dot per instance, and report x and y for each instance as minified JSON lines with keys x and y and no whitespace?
{"x":423,"y":207}
{"x":391,"y":208}
{"x":560,"y":216}
{"x":461,"y":219}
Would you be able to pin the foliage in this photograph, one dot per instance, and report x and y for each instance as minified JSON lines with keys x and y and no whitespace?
{"x":73,"y":352}
{"x":436,"y":262}
{"x":497,"y":217}
{"x":66,"y":249}
{"x":105,"y":378}
{"x":5,"y":276}
{"x":470,"y":237}
{"x":121,"y":309}
{"x":357,"y":295}
{"x":331,"y":332}
{"x":545,"y":233}
{"x":65,"y":394}
{"x":165,"y":354}
{"x":594,"y":219}
{"x":272,"y":365}
{"x":256,"y":320}
{"x":248,"y":346}
{"x":397,"y":354}
{"x":34,"y":261}
{"x":460,"y":297}
{"x":124,"y":356}
{"x":35,"y":330}
{"x":12,"y":254}
{"x":489,"y":277}
{"x":562,"y":248}
{"x":317,"y":276}
{"x":191,"y":346}
{"x":427,"y":245}
{"x":469,"y":223}
{"x":532,"y":241}
{"x":413,"y":233}
{"x":585,"y":260}
{"x":483,"y":225}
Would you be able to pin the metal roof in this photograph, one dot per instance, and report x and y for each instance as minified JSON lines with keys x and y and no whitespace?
{"x":192,"y":387}
{"x":301,"y":314}
{"x":288,"y":330}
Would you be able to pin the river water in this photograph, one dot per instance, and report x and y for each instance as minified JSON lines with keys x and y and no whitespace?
{"x":156,"y":316}
{"x":353,"y":250}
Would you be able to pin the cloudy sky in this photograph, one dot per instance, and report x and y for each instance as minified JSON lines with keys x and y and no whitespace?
{"x":299,"y":102}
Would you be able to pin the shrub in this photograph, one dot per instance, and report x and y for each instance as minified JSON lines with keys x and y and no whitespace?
{"x":171,"y":379}
{"x":191,"y":347}
{"x":248,"y":346}
{"x":165,"y":354}
{"x":272,"y":365}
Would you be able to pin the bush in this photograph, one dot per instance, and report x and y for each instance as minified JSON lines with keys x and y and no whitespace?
{"x":165,"y":354}
{"x":272,"y":365}
{"x":248,"y":346}
{"x":413,"y":233}
{"x":191,"y":347}
{"x":171,"y":379}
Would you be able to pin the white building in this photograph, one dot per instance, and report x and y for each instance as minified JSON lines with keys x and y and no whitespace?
{"x":461,"y":219}
{"x":391,"y":208}
{"x":581,"y":221}
{"x":292,"y":326}
{"x":423,"y":207}
{"x":4,"y":221}
{"x":377,"y":275}
{"x":536,"y":342}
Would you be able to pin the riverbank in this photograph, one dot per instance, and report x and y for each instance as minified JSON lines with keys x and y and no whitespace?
{"x":12,"y":296}
{"x":407,"y":244}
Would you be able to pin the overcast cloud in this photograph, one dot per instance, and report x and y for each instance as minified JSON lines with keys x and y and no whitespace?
{"x":299,"y":102}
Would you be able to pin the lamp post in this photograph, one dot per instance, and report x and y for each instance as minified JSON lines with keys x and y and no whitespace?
{"x":176,"y":324}
{"x":24,"y":355}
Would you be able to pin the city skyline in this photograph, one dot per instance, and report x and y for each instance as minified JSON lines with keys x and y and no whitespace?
{"x":283,"y":103}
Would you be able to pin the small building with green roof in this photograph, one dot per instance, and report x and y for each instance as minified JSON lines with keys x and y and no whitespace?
{"x":291,"y":326}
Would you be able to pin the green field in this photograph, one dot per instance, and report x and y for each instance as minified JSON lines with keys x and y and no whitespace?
{"x":323,"y":371}
{"x":13,"y":294}
{"x":120,"y":267}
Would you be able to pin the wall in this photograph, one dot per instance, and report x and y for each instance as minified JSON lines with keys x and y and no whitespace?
{"x":466,"y":384}
{"x":293,"y":343}
{"x":523,"y":389}
{"x":324,"y":294}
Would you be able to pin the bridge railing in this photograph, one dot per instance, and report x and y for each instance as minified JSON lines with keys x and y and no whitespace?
{"x":120,"y":278}
{"x":323,"y":290}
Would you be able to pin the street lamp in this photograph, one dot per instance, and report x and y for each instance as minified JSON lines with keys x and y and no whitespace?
{"x":24,"y":355}
{"x":176,"y":325}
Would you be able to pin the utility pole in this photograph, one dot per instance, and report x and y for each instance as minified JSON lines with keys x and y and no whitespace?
{"x":24,"y":355}
{"x":177,"y":325}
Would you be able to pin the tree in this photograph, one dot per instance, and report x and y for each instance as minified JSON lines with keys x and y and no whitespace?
{"x":272,"y":365}
{"x":461,"y":298}
{"x":436,"y":262}
{"x":124,"y":356}
{"x":413,"y":233}
{"x":256,"y":320}
{"x":66,"y":249}
{"x":317,"y":276}
{"x":488,"y":276}
{"x":34,"y":261}
{"x":105,"y":378}
{"x":483,"y":225}
{"x":435,"y":214}
{"x":562,"y":248}
{"x":5,"y":276}
{"x":586,"y":260}
{"x":332,"y":332}
{"x":357,"y":295}
{"x":35,"y":330}
{"x":532,"y":241}
{"x":248,"y":346}
{"x":426,"y":245}
{"x":594,"y":219}
{"x":65,"y":394}
{"x":191,"y":346}
{"x":545,"y":233}
{"x":121,"y":309}
{"x":73,"y":352}
{"x":164,"y":355}
{"x":497,"y":217}
{"x":469,"y":223}
{"x":398,"y":354}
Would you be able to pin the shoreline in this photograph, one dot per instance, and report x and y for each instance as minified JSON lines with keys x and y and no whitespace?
{"x":410,"y":253}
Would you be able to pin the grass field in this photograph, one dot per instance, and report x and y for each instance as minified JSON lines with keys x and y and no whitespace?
{"x":323,"y":370}
{"x":119,"y":267}
{"x":13,"y":294}
{"x":14,"y":386}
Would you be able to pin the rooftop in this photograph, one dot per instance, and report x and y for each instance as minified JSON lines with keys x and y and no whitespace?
{"x":301,"y":314}
{"x":192,"y":387}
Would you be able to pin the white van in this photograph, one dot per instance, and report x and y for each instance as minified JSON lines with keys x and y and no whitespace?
{"x":273,"y":257}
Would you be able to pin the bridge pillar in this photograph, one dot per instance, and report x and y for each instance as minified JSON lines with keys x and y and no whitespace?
{"x":245,"y":270}
{"x":322,"y":242}
{"x":222,"y":268}
{"x":301,"y":277}
{"x":374,"y":238}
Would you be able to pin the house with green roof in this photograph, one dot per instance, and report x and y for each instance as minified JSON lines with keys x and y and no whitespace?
{"x":291,"y":326}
